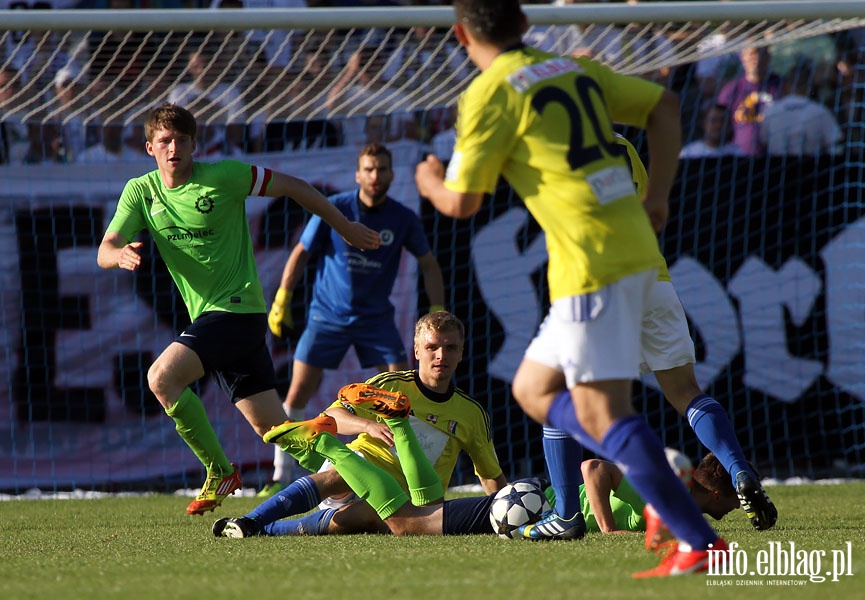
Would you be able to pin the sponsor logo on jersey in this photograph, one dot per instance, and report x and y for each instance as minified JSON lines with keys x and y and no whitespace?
{"x":387,"y":237}
{"x":180,"y":236}
{"x":204,"y":204}
{"x":357,"y":261}
{"x":524,"y":78}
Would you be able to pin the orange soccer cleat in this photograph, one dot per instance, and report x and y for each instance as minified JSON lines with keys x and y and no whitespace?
{"x":390,"y":405}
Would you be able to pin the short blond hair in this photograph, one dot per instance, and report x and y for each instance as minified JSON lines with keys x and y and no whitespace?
{"x":440,"y":320}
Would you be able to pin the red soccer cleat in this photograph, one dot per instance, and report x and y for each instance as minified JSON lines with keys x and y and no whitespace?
{"x":683,"y":561}
{"x":214,"y":491}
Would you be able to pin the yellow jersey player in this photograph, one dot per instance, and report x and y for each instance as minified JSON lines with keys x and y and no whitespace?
{"x":668,"y":351}
{"x":544,"y":122}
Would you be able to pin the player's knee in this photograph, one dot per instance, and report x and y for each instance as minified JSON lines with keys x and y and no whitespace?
{"x":156,"y":379}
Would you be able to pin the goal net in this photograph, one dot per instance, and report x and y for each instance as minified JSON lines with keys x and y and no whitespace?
{"x":763,"y":250}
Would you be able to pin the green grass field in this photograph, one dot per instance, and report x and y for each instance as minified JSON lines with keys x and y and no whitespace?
{"x":147,"y":547}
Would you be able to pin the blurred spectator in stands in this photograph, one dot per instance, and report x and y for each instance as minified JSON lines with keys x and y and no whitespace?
{"x":849,"y":99}
{"x":716,"y":136}
{"x":296,"y":112}
{"x":275,"y":44}
{"x":217,"y":106}
{"x":13,"y":133}
{"x":428,"y":57}
{"x":112,"y":147}
{"x":442,"y":143}
{"x":71,"y":112}
{"x":797,"y":125}
{"x":747,"y":96}
{"x":42,"y":142}
{"x":34,"y":54}
{"x":363,"y":94}
{"x":601,"y":42}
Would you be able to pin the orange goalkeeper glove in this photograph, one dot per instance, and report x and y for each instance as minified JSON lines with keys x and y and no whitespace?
{"x":279,"y":318}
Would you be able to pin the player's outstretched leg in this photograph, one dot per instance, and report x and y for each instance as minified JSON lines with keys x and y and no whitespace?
{"x":216,"y":488}
{"x":714,"y":430}
{"x":394,"y":408}
{"x":313,"y":441}
{"x":297,"y":438}
{"x":236,"y":527}
{"x":379,"y":402}
{"x":563,"y":455}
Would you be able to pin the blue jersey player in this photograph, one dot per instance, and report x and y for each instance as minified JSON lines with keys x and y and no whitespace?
{"x":351,"y":295}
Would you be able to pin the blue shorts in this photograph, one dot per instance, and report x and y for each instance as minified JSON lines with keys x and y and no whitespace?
{"x":375,"y":339}
{"x":232,"y":348}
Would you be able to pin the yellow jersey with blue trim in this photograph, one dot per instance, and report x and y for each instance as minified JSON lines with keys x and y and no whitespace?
{"x":445,"y":424}
{"x":641,"y":180}
{"x":544,"y":122}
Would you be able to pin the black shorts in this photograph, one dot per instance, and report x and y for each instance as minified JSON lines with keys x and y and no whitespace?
{"x":467,"y":516}
{"x":471,"y":515}
{"x":232,"y":348}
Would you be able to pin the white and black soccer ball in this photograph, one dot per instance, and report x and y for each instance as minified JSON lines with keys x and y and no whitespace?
{"x":515,"y":505}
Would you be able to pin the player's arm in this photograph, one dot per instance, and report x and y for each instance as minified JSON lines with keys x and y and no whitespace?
{"x":350,"y":424}
{"x":664,"y":137}
{"x":294,"y":267}
{"x":353,"y":232}
{"x":116,"y":251}
{"x":433,"y":282}
{"x":279,"y":318}
{"x":600,"y":478}
{"x":491,"y":486}
{"x":429,"y":177}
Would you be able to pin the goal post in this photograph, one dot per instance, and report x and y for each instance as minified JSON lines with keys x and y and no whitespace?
{"x":764,"y":252}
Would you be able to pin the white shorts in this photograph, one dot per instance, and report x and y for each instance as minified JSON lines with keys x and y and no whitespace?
{"x":595,"y":336}
{"x":338,"y":502}
{"x":666,"y":341}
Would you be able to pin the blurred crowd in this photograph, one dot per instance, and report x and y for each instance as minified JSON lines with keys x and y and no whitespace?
{"x":263,"y":91}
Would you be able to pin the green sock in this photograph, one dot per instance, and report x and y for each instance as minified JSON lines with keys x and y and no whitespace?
{"x":311,"y":461}
{"x":424,"y":484}
{"x":371,"y":483}
{"x":192,"y":424}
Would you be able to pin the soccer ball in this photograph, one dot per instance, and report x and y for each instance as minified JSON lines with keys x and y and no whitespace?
{"x":515,"y":505}
{"x":681,"y":465}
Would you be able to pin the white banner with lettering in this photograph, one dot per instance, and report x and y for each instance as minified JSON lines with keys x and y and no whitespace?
{"x":39,"y":446}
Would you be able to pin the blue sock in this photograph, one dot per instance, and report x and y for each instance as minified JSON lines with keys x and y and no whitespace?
{"x":563,"y":416}
{"x":312,"y":524}
{"x":709,"y":421}
{"x":299,"y":497}
{"x":564,"y":455}
{"x":631,"y":443}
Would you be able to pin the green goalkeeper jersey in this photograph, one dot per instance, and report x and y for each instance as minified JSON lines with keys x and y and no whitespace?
{"x":626,"y":504}
{"x":628,"y":516}
{"x":202,"y":232}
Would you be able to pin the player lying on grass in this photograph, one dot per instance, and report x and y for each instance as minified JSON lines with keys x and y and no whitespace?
{"x":610,"y":504}
{"x":611,"y":497}
{"x":668,"y":351}
{"x":444,"y":418}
